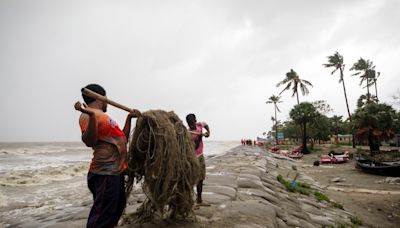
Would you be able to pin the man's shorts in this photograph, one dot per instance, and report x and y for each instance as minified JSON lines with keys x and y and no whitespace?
{"x":202,"y":167}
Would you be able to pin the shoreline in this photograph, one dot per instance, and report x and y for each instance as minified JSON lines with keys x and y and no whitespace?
{"x":242,"y":187}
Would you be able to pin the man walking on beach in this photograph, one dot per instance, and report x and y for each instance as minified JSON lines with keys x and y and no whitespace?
{"x":106,"y":173}
{"x":196,"y":129}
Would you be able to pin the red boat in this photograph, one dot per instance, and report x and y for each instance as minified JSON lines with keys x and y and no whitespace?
{"x":296,"y":153}
{"x":335,"y":159}
{"x":275,"y":149}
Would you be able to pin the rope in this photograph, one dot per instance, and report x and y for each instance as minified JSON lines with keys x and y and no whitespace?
{"x":166,"y":161}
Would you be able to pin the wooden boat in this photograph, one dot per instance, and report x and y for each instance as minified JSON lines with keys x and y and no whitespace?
{"x":378,"y":168}
{"x":275,"y":150}
{"x":335,"y":158}
{"x":295,"y":155}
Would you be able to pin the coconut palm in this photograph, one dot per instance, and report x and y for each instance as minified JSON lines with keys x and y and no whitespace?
{"x":303,"y":114}
{"x":373,"y":75}
{"x":275,"y":100}
{"x":364,"y":69}
{"x":293,"y":80}
{"x":336,"y":61}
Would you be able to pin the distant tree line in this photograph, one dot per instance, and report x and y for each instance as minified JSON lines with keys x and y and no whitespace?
{"x":370,"y":123}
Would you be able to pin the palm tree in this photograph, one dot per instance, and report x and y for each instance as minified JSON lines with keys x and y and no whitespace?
{"x":365,"y":69}
{"x":375,"y":122}
{"x":336,"y":61}
{"x":292,"y":78}
{"x":303,"y":114}
{"x":273,"y":127}
{"x":373,"y":75}
{"x":275,"y":100}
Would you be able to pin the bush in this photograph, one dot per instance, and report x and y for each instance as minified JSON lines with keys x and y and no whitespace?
{"x":297,"y":187}
{"x":337,"y":205}
{"x":321,"y":197}
{"x":355,"y":220}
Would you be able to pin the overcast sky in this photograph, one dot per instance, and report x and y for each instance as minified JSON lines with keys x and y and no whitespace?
{"x":218,"y":59}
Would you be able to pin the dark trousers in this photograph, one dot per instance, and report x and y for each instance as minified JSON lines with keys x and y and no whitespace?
{"x":108,"y":199}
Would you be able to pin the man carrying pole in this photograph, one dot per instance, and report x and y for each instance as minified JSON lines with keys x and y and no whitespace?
{"x":106,"y":173}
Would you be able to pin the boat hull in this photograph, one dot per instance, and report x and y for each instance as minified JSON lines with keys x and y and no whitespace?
{"x":377,"y":168}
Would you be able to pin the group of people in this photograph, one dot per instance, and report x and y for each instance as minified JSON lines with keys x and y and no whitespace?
{"x":248,"y":142}
{"x":106,"y":174}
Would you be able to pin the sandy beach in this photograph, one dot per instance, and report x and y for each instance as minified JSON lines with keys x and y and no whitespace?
{"x":243,"y":191}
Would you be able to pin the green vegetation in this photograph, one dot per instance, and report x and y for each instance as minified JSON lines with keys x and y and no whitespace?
{"x":371,"y":122}
{"x":292,"y":78}
{"x":365,"y":69}
{"x":303,"y":114}
{"x":321,"y":197}
{"x":303,"y":185}
{"x":294,"y":187}
{"x":374,"y":123}
{"x":340,"y":225}
{"x":355,"y":220}
{"x":274,"y":100}
{"x":336,"y":61}
{"x":337,"y":205}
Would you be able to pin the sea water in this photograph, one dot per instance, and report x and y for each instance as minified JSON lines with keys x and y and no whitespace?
{"x":41,"y":183}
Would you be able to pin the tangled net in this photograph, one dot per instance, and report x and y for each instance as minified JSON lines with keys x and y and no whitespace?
{"x":161,"y":151}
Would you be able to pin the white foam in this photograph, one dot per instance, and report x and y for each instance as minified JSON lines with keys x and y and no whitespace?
{"x":36,"y":150}
{"x":44,"y":175}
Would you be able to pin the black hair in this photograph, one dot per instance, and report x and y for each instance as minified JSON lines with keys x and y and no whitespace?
{"x":190,"y":117}
{"x":95,"y":88}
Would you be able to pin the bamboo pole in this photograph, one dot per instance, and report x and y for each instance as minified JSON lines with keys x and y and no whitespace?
{"x":97,"y":96}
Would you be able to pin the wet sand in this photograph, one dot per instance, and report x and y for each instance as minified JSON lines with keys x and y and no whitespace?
{"x":243,"y":191}
{"x":374,"y":199}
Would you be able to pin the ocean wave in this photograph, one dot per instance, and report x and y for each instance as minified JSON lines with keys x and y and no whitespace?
{"x":32,"y":150}
{"x":39,"y":149}
{"x":44,"y":175}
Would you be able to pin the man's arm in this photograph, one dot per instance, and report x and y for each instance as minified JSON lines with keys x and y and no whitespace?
{"x":89,"y":136}
{"x":207,"y":134}
{"x":127,"y":127}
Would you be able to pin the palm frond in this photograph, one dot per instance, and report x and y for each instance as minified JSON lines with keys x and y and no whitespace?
{"x":306,"y":82}
{"x":286,"y":88}
{"x":334,"y":70}
{"x":304,"y":89}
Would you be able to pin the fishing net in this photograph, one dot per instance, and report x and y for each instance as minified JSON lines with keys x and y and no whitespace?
{"x":161,"y":154}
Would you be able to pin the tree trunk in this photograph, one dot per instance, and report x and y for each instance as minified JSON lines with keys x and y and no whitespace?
{"x":305,"y":150}
{"x":376,"y":91}
{"x":297,"y":95}
{"x":347,"y":105}
{"x":368,"y":95}
{"x":373,"y":144}
{"x":345,"y":94}
{"x":276,"y":128}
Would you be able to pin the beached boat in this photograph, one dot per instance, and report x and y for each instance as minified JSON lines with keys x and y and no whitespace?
{"x":335,"y":158}
{"x":275,"y":149}
{"x":296,"y":153}
{"x":378,"y":168}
